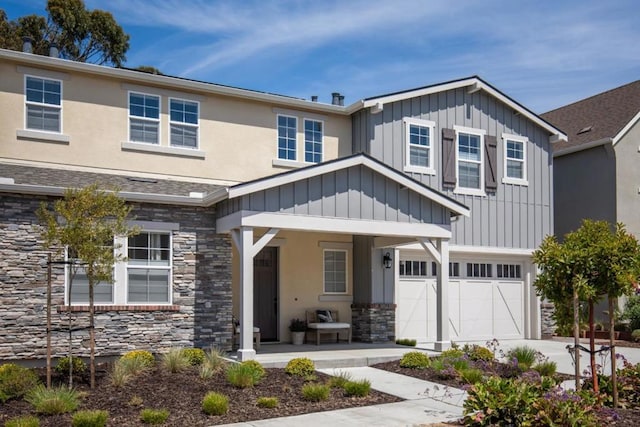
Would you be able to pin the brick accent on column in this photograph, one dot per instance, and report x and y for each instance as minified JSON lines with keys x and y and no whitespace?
{"x":373,"y":322}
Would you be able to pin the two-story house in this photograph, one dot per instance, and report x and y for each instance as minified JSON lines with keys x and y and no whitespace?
{"x":262,"y":206}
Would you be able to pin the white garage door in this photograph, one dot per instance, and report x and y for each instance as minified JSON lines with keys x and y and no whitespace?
{"x":478,"y":308}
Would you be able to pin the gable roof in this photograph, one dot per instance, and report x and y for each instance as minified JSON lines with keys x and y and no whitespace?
{"x":596,"y":120}
{"x":474,"y":83}
{"x":342,"y":163}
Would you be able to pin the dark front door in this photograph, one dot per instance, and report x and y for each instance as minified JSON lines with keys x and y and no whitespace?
{"x":265,"y":293}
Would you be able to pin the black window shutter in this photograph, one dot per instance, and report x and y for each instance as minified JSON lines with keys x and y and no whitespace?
{"x":491,"y":164}
{"x":448,"y":158}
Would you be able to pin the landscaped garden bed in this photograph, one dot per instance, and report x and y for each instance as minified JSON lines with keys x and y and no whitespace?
{"x":181,"y":393}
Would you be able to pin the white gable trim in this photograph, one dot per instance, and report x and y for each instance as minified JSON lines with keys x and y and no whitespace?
{"x":321,"y":169}
{"x":626,"y":129}
{"x":285,"y":221}
{"x":474,"y":84}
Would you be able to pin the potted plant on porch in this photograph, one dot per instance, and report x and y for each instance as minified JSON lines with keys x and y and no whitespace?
{"x":298,"y":328}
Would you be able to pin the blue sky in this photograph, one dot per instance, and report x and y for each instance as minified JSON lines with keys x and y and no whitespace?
{"x":543,"y":53}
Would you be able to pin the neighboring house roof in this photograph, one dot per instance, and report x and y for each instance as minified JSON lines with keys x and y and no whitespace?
{"x":49,"y":181}
{"x":260,"y":184}
{"x":597,"y":120}
{"x":474,"y":83}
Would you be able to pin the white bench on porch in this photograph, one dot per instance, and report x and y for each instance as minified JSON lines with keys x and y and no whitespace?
{"x":329,"y":324}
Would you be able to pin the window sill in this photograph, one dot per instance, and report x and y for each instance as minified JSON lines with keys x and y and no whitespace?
{"x":288,"y":164}
{"x":157,"y":149}
{"x":107,"y":308}
{"x":515,"y":181}
{"x":469,"y":192}
{"x":418,"y":169}
{"x":41,"y":136}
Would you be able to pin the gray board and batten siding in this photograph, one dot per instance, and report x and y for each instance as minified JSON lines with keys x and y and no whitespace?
{"x":512,"y":216}
{"x":356,"y":192}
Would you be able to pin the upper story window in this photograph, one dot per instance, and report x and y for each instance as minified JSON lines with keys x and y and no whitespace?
{"x":335,"y":271}
{"x":183,"y":123}
{"x":419,"y":146}
{"x":313,"y":134}
{"x":43,"y":104}
{"x":287,"y":135}
{"x":144,"y":118}
{"x":470,"y":167}
{"x":515,"y":160}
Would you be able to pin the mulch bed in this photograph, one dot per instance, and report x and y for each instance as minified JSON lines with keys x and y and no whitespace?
{"x":182,"y":394}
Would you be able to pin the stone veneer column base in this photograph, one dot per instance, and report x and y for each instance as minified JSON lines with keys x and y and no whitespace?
{"x":373,"y":322}
{"x":548,"y":328}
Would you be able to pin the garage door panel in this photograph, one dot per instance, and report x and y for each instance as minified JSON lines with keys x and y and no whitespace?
{"x":508,"y":310}
{"x":412,"y":313}
{"x":455,"y":321}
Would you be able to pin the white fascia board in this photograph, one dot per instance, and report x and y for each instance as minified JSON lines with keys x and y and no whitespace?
{"x":477,"y":250}
{"x":167,"y":81}
{"x":285,"y":221}
{"x":475,"y":85}
{"x":582,"y":147}
{"x":165,"y":199}
{"x":244,"y":189}
{"x":626,"y":129}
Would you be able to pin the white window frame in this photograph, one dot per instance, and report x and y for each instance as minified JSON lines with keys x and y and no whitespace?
{"x":42,"y":104}
{"x":157,"y":121}
{"x":304,"y":145}
{"x":346,"y":271}
{"x":121,"y":279}
{"x":524,"y":141}
{"x":430,"y":125}
{"x":465,"y":190}
{"x":295,"y":150}
{"x":184,"y":124}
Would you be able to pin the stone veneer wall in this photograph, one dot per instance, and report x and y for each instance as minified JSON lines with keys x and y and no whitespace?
{"x":373,"y":322}
{"x":200,"y":315}
{"x":548,"y":324}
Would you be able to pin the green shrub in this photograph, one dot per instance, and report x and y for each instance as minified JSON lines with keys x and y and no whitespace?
{"x":339,"y":379}
{"x":546,"y":368}
{"x":245,"y":374}
{"x":16,"y":381}
{"x":267,"y":402}
{"x":175,"y":360}
{"x":215,"y":403}
{"x":406,"y":341}
{"x":195,"y":356}
{"x":636,"y":335}
{"x":315,"y":392}
{"x":498,"y":401}
{"x":471,"y":375}
{"x":415,"y":360}
{"x":121,"y":372}
{"x":565,"y":408}
{"x":459,"y":364}
{"x":79,"y":367}
{"x":477,"y":352}
{"x":24,"y":421}
{"x":142,"y":357}
{"x":254,"y":364}
{"x":525,"y":355}
{"x":359,"y":388}
{"x":154,"y":416}
{"x":300,"y":367}
{"x":632,"y":312}
{"x":53,"y":401}
{"x":95,"y":418}
{"x":452,"y":353}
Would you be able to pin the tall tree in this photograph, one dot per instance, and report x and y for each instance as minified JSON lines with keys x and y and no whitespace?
{"x":81,"y":35}
{"x":85,"y":222}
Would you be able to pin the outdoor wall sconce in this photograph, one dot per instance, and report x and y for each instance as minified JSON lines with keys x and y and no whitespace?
{"x":386,"y":260}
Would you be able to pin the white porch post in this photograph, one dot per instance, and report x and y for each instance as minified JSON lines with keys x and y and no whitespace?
{"x":443,"y":341}
{"x":245,"y":248}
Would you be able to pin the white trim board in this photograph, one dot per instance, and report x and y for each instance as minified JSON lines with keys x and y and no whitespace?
{"x":476,"y":250}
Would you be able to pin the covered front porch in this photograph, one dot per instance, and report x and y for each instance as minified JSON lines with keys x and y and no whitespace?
{"x":318,"y":237}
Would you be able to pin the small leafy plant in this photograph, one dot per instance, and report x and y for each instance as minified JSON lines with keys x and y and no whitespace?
{"x":16,"y":381}
{"x":314,"y":392}
{"x":339,"y":379}
{"x":471,"y":375}
{"x":267,"y":402}
{"x":298,"y":325}
{"x":245,"y":374}
{"x":546,"y":368}
{"x":24,"y":421}
{"x":142,"y":358}
{"x":57,"y":400}
{"x":477,"y":352}
{"x":406,"y":341}
{"x":415,"y":360}
{"x":300,"y":367}
{"x":195,"y":356}
{"x":78,"y":366}
{"x":359,"y":388}
{"x":90,"y":418}
{"x":154,"y":416}
{"x":215,"y":403}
